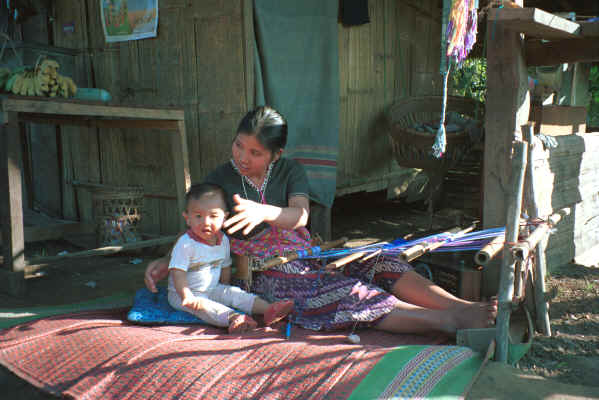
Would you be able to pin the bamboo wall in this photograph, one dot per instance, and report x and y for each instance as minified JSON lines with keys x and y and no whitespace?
{"x":202,"y":61}
{"x":395,"y":55}
{"x":197,"y":62}
{"x":568,"y":178}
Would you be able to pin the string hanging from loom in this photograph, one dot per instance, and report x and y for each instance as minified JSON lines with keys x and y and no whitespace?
{"x":460,"y":25}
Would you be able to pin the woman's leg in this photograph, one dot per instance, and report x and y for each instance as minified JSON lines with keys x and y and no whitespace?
{"x":413,"y":288}
{"x":416,"y":290}
{"x":408,"y":318}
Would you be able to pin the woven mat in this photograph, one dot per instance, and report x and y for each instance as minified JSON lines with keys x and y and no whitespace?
{"x":99,"y":355}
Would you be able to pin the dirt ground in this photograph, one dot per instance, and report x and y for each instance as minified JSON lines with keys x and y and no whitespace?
{"x":565,"y":366}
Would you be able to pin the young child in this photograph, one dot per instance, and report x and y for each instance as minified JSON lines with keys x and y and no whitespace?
{"x":196,"y":263}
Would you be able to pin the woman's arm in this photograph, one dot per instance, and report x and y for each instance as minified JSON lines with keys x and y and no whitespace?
{"x":249,"y":214}
{"x":155,"y":272}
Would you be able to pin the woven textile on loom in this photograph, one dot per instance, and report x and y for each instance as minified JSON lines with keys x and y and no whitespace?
{"x":98,"y":355}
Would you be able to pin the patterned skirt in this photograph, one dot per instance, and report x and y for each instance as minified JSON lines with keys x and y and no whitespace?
{"x":327,"y":301}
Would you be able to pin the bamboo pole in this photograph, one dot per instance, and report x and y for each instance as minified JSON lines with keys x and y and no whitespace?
{"x":422,"y":248}
{"x":541,"y":305}
{"x":506,"y":280}
{"x":522,"y":249}
{"x":491,"y":249}
{"x":294,"y":256}
{"x":345,"y":260}
{"x":39,"y":262}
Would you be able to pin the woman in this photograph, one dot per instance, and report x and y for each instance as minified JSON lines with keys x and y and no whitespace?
{"x":269,"y":198}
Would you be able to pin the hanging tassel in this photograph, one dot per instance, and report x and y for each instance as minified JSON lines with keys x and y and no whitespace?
{"x":441,"y":139}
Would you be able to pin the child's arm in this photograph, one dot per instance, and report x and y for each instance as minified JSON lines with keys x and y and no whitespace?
{"x":225,"y":275}
{"x":187,"y":298}
{"x":225,"y":272}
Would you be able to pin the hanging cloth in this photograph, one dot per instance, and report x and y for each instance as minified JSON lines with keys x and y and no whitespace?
{"x":353,"y":12}
{"x":456,"y":42}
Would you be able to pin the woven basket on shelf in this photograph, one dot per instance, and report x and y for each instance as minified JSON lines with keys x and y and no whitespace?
{"x":413,"y":148}
{"x":117,"y":212}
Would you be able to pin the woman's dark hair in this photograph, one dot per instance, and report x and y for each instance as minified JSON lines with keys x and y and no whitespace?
{"x":268,"y":125}
{"x":199,"y":190}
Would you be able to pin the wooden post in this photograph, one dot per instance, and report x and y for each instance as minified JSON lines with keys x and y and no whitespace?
{"x":320,"y":221}
{"x":542,"y":313}
{"x":11,"y":204}
{"x":248,"y":53}
{"x":507,"y":109}
{"x":506,"y":283}
{"x":181,"y":165}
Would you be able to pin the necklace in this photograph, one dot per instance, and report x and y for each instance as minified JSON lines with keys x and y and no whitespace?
{"x":262,"y":189}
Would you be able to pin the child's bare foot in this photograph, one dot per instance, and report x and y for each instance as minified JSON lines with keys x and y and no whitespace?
{"x":240,"y":323}
{"x":277,"y":311}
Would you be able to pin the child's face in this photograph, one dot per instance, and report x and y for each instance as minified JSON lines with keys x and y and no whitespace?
{"x":205,"y":217}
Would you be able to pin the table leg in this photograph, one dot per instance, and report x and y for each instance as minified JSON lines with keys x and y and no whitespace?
{"x":11,"y":204}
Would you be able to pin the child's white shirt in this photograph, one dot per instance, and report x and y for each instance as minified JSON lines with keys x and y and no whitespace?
{"x":202,"y":262}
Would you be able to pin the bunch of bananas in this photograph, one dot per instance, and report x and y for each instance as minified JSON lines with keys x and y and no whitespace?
{"x":4,"y":76}
{"x":43,"y":80}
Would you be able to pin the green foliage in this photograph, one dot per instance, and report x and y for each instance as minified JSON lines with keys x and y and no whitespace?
{"x":593,"y":111}
{"x":469,"y":80}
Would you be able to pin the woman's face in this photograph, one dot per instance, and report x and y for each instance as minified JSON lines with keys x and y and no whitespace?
{"x":250,"y":156}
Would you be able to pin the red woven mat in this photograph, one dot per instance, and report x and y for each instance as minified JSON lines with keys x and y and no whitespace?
{"x":98,"y":355}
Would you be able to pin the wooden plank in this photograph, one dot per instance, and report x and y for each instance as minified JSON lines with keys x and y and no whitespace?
{"x":555,"y":120}
{"x":145,"y":124}
{"x":561,"y":51}
{"x":589,"y":29}
{"x":73,"y":107}
{"x":11,"y":202}
{"x":533,"y":22}
{"x":248,"y":53}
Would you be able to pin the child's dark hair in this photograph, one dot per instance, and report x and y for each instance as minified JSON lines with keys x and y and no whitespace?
{"x":268,"y":125}
{"x":198,"y":190}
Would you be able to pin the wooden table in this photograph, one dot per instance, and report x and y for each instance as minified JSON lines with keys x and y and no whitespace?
{"x":17,"y":110}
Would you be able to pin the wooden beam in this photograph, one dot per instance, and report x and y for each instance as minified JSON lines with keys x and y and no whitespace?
{"x":54,"y":231}
{"x":40,"y":262}
{"x":533,"y":22}
{"x":11,"y":202}
{"x":146,"y":124}
{"x":507,"y":109}
{"x":561,"y":51}
{"x":75,"y":107}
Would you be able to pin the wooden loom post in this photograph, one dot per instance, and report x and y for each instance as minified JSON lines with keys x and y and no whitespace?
{"x":542,"y":314}
{"x":506,"y":278}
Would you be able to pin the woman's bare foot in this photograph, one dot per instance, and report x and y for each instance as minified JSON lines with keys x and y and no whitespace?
{"x":240,"y":323}
{"x":277,"y":311}
{"x":474,"y":315}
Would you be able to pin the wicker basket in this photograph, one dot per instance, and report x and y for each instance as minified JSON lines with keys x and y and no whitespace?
{"x":413,"y":149}
{"x":117,"y":212}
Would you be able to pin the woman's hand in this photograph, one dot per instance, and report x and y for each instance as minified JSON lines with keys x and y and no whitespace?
{"x":155,"y":272}
{"x":249,"y":214}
